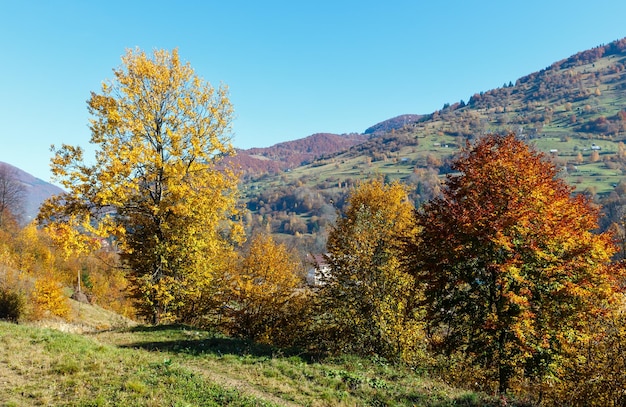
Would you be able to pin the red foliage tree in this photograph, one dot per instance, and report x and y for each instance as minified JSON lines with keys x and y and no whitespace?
{"x":508,"y":260}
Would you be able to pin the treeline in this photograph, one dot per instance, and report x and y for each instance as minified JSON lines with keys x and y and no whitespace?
{"x":301,"y":210}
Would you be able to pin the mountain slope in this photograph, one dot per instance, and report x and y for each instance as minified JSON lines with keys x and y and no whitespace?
{"x":394,"y":123}
{"x":290,"y":154}
{"x":574,"y":111}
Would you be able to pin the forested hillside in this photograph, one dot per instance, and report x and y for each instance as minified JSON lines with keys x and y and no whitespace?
{"x":574,"y":111}
{"x":34,"y":190}
{"x":284,"y":156}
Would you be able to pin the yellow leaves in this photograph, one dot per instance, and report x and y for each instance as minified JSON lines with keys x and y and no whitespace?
{"x":262,"y":288}
{"x":69,"y":240}
{"x":158,"y":131}
{"x":29,"y":251}
{"x":48,"y":297}
{"x":267,"y":273}
{"x":369,"y":294}
{"x":389,"y":209}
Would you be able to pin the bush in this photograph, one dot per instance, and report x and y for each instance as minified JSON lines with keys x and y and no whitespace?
{"x":11,"y":305}
{"x":48,"y":297}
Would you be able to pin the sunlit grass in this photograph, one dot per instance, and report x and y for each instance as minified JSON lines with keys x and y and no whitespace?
{"x":46,"y":367}
{"x":180,"y":366}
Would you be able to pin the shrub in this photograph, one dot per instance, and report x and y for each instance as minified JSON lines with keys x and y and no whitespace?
{"x":49,"y":298}
{"x":11,"y":305}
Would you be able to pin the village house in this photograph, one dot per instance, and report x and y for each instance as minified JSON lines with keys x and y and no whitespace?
{"x":318,"y":270}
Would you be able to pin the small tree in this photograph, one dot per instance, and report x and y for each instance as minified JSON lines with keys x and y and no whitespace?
{"x":508,"y":260}
{"x":12,"y":195}
{"x":367,"y":302}
{"x":11,"y":304}
{"x":262,"y":289}
{"x":48,"y":297}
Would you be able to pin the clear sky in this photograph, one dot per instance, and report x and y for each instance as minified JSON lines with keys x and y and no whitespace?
{"x":293,"y":68}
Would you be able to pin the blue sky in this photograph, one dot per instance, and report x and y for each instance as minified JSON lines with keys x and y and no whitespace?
{"x":293,"y":68}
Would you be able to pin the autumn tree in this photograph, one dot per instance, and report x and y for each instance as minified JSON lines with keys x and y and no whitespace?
{"x":366,"y":300}
{"x":12,"y":195}
{"x":262,"y":295}
{"x":508,"y":260}
{"x":159,"y":132}
{"x":29,"y":271}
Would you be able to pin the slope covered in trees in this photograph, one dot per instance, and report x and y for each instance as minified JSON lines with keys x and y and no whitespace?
{"x":574,"y":111}
{"x":284,"y":156}
{"x":35,"y":191}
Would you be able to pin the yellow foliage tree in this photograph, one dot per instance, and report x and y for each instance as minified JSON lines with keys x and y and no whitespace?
{"x":48,"y":297}
{"x":367,"y":301}
{"x":262,"y":290}
{"x":31,"y":253}
{"x":159,"y":132}
{"x":28,"y":270}
{"x":71,"y":242}
{"x":593,"y":374}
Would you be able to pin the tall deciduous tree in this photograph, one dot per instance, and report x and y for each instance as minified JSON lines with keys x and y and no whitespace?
{"x":159,"y":132}
{"x":366,"y":297}
{"x":508,"y":259}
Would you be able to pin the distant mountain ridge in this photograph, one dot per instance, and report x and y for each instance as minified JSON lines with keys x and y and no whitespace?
{"x":291,"y":154}
{"x":573,"y":111}
{"x":36,"y":191}
{"x":394,"y":123}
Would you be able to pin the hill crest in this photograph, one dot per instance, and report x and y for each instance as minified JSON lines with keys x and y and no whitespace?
{"x":574,"y":111}
{"x":290,"y":154}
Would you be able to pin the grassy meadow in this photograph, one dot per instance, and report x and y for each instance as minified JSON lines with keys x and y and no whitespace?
{"x":180,"y":366}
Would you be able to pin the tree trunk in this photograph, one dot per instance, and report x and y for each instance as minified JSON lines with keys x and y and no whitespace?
{"x":504,"y":370}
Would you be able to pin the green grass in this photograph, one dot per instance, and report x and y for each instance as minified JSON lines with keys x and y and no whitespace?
{"x":47,"y":367}
{"x":178,"y":366}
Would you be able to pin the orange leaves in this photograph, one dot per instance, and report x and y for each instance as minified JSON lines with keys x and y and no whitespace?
{"x":508,"y":228}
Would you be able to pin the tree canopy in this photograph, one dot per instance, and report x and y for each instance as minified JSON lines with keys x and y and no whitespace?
{"x":262,"y":290}
{"x":159,"y":132}
{"x":507,"y":259}
{"x":367,"y":296}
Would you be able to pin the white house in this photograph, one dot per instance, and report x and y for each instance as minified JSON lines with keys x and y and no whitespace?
{"x":319,"y":269}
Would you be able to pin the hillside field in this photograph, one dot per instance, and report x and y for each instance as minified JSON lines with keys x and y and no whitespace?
{"x":183,"y":366}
